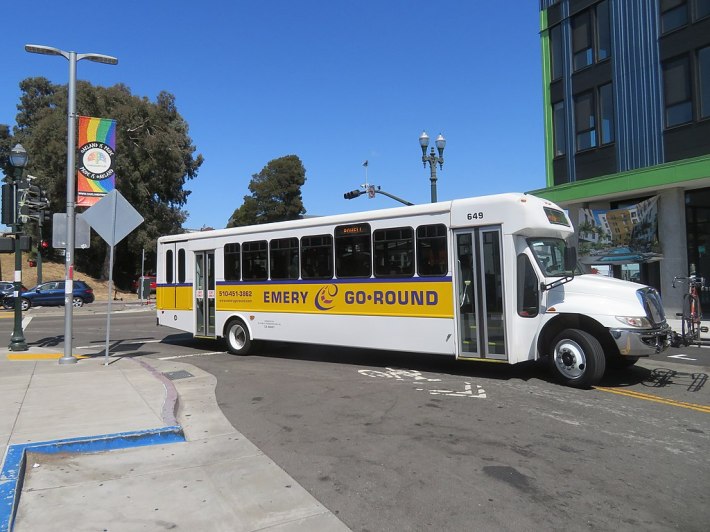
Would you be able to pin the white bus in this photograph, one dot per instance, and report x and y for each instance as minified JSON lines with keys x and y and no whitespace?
{"x":489,"y":279}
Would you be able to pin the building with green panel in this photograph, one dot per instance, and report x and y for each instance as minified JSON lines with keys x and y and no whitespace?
{"x":627,"y":125}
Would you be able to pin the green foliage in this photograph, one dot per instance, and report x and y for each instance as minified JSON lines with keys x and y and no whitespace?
{"x":155,"y":158}
{"x":275,"y":194}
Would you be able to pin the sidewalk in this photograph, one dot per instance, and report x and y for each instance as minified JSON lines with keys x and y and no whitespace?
{"x":136,"y":445}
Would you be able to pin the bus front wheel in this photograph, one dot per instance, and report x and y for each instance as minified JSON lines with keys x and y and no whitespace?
{"x":237,"y":337}
{"x":577,"y":358}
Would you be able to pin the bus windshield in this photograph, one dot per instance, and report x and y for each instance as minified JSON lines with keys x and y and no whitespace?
{"x":550,"y":255}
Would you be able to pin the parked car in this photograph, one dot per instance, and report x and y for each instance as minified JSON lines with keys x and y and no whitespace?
{"x":136,"y":283}
{"x":8,"y":287}
{"x":52,"y":293}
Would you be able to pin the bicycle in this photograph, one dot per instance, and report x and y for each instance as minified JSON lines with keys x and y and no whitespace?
{"x":690,"y":317}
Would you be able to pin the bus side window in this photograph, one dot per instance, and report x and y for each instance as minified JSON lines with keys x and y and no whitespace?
{"x":394,"y":252}
{"x":255,"y":260}
{"x":284,"y":258}
{"x":317,"y":257}
{"x":528,"y":288}
{"x":432,"y":253}
{"x":353,"y":251}
{"x":232,"y":267}
{"x":169,"y":266}
{"x":181,"y":266}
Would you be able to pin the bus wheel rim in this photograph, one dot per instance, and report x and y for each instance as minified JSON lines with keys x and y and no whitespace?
{"x":570,"y":359}
{"x":237,"y":337}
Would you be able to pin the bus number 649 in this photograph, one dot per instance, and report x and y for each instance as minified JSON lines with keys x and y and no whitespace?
{"x":475,"y":215}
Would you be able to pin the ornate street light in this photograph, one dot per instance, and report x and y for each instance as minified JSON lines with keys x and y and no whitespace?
{"x":72,"y":57}
{"x":432,"y":159}
{"x":18,"y":159}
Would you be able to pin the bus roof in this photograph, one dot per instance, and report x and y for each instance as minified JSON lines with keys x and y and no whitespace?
{"x":442,"y":207}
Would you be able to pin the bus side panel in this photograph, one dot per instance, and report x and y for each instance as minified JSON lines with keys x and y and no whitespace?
{"x":419,"y":335}
{"x":177,"y":319}
{"x":184,"y":297}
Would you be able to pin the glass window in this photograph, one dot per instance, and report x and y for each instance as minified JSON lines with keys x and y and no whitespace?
{"x":606,"y":114}
{"x":232,"y":266}
{"x":283,"y":261}
{"x":702,"y":9}
{"x":432,"y":252}
{"x":558,"y":129}
{"x":169,"y":266}
{"x":353,"y":251}
{"x":181,"y":266}
{"x":317,"y":257}
{"x":582,"y":40}
{"x":704,"y":81}
{"x":676,"y":86}
{"x":528,"y":288}
{"x":585,"y":122}
{"x":255,"y":261}
{"x":556,"y":51}
{"x":603,"y":31}
{"x":674,"y":14}
{"x":394,"y":252}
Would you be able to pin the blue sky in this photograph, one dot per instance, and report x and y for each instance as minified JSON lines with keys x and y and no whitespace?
{"x":335,"y":82}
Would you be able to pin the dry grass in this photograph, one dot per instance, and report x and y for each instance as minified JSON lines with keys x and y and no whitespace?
{"x":54,"y":271}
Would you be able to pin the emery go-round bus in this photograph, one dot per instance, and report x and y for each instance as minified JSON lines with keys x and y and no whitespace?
{"x":489,"y":278}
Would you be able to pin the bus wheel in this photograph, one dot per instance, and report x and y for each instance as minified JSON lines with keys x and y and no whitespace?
{"x":237,"y":337}
{"x":577,"y":358}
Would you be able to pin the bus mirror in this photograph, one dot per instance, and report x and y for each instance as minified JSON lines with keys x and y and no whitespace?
{"x":570,"y":259}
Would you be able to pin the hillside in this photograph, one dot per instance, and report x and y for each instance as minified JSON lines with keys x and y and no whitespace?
{"x":54,"y":271}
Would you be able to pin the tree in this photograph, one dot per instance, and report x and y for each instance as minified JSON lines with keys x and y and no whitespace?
{"x":155,"y":158}
{"x":275,"y":194}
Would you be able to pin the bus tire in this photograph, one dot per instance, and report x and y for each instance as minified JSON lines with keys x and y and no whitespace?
{"x":577,"y":358}
{"x":237,"y":337}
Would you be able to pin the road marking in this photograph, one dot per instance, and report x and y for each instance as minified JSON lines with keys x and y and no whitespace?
{"x":193,"y":355}
{"x":682,"y":357}
{"x":467,"y":391}
{"x":414,"y":376}
{"x":122,"y":343}
{"x":656,"y":399}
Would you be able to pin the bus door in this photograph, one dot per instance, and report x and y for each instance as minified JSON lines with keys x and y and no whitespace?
{"x":479,"y":272}
{"x":204,"y":293}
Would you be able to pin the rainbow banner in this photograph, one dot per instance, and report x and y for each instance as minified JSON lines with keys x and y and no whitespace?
{"x":96,"y":143}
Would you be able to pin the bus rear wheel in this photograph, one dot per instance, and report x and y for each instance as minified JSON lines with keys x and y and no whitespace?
{"x":577,"y":358}
{"x":237,"y":337}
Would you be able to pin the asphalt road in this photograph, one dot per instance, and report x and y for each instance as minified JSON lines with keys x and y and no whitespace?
{"x":394,"y":441}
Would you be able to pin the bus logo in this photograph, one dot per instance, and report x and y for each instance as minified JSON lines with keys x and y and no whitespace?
{"x":325,"y":298}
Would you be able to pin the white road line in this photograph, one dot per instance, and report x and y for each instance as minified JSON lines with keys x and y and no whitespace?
{"x":25,"y":322}
{"x":682,"y":357}
{"x":193,"y":355}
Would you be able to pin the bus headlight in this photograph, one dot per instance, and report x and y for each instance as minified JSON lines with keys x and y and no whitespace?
{"x":635,"y":321}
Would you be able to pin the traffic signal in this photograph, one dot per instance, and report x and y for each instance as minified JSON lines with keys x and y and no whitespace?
{"x":44,"y":244}
{"x":8,"y":204}
{"x":352,"y":194}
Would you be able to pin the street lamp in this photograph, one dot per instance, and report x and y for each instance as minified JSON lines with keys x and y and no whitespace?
{"x":72,"y":57}
{"x":432,"y":159}
{"x":18,"y":159}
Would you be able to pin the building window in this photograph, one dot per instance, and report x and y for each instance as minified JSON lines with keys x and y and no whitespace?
{"x":674,"y":14}
{"x":606,"y":114}
{"x":603,"y":31}
{"x":559,"y":134}
{"x":556,"y":51}
{"x":582,"y":40}
{"x":704,"y":81}
{"x":591,"y":36}
{"x":585,"y":121}
{"x":702,"y":9}
{"x":676,"y":86}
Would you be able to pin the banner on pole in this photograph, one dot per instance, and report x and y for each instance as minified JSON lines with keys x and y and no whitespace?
{"x":96,"y":143}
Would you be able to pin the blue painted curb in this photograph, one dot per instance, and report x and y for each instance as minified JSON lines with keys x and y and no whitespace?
{"x":13,"y":469}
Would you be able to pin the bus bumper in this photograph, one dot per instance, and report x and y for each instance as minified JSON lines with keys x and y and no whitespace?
{"x":641,"y":343}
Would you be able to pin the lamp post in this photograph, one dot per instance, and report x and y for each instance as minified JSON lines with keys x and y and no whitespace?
{"x":432,"y":159}
{"x":72,"y":57}
{"x":18,"y":159}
